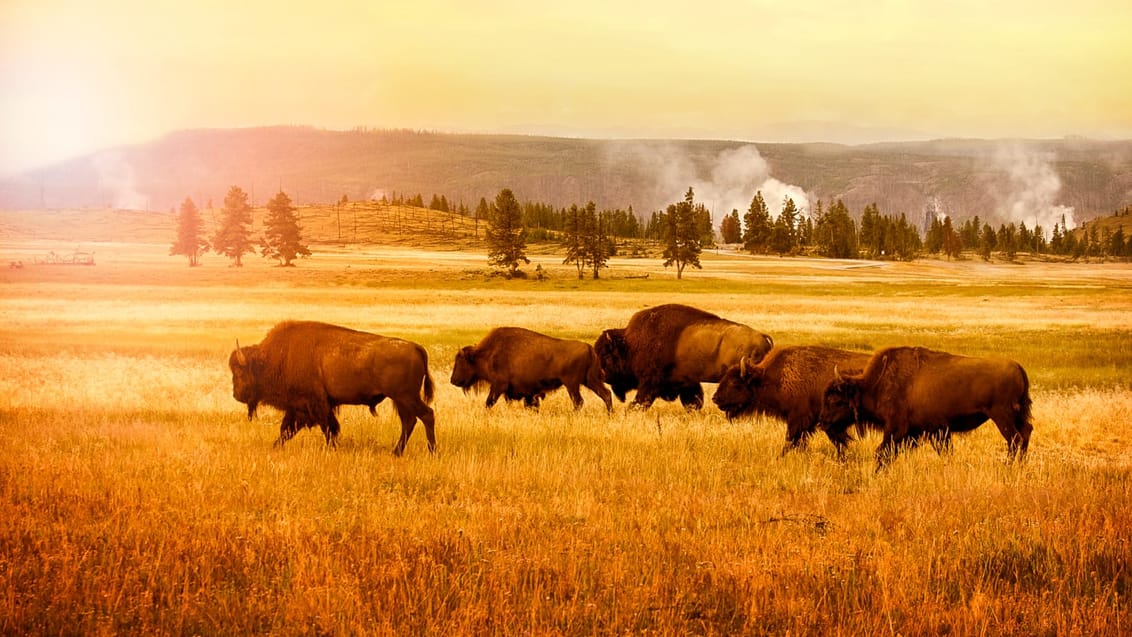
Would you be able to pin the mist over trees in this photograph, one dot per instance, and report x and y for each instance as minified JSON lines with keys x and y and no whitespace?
{"x":282,"y":236}
{"x":233,"y":238}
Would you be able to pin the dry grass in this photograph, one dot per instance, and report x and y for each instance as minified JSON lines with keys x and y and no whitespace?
{"x":138,"y":499}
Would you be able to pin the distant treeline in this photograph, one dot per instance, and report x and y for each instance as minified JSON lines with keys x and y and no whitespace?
{"x":829,"y":231}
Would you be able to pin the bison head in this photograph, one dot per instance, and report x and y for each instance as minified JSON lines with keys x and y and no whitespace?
{"x":464,"y":373}
{"x":613,"y":351}
{"x":245,"y":363}
{"x":841,"y":401}
{"x":738,"y":390}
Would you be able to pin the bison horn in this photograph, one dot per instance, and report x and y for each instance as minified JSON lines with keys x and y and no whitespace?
{"x":240,"y":358}
{"x":743,"y":367}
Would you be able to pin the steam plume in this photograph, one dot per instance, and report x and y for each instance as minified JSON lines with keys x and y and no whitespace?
{"x":1033,"y":189}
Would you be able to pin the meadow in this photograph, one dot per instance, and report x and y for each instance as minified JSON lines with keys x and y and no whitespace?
{"x":137,"y":498}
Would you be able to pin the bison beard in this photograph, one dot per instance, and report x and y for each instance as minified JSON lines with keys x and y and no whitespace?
{"x":667,"y":351}
{"x":917,"y":393}
{"x":308,"y":369}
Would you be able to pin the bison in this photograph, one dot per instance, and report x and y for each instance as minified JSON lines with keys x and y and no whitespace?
{"x":517,"y":363}
{"x":307,"y":369}
{"x":913,"y":392}
{"x":788,"y":384}
{"x":668,"y":350}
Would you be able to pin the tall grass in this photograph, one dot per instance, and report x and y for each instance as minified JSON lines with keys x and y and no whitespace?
{"x":137,"y":498}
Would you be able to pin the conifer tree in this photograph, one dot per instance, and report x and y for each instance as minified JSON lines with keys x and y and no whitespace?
{"x":190,"y":240}
{"x":233,"y":239}
{"x":282,"y":236}
{"x":682,"y":234}
{"x":757,"y":226}
{"x":506,"y":236}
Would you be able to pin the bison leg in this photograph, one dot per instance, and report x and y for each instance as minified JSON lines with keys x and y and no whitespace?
{"x":374,"y":401}
{"x":493,"y":395}
{"x":797,"y":438}
{"x":330,"y":429}
{"x":1016,"y":441}
{"x":409,"y":412}
{"x":887,"y":450}
{"x":575,"y":396}
{"x":602,"y":393}
{"x":692,"y":397}
{"x":287,"y":428}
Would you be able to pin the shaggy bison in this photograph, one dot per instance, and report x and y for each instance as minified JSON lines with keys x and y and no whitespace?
{"x":788,"y":384}
{"x":307,"y":369}
{"x":916,"y":392}
{"x":667,"y":351}
{"x":517,"y":363}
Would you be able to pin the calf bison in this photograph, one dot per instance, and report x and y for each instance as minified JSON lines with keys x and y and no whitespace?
{"x":307,"y":369}
{"x":788,"y":384}
{"x":668,"y":350}
{"x":518,"y":363}
{"x":916,"y":392}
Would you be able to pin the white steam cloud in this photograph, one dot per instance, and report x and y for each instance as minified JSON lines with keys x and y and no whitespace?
{"x":1032,"y":189}
{"x":117,"y":184}
{"x":733,"y":177}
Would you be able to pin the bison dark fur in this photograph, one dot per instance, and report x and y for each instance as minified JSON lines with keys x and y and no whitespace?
{"x":668,"y":350}
{"x":916,"y":392}
{"x":307,"y":369}
{"x":788,"y":384}
{"x":520,"y":364}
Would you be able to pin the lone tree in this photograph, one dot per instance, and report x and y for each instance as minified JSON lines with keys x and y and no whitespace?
{"x":190,"y":242}
{"x":282,"y":237}
{"x":506,"y":237}
{"x":575,"y":242}
{"x":233,"y":239}
{"x":682,"y":234}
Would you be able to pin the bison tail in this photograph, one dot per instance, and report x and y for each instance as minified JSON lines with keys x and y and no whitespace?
{"x":428,"y":389}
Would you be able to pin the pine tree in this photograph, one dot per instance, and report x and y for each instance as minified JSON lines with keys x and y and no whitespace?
{"x":730,"y":228}
{"x":233,"y":239}
{"x":757,"y":226}
{"x":190,"y":240}
{"x":835,"y":232}
{"x":682,"y":234}
{"x":282,"y":237}
{"x":575,"y":231}
{"x":784,"y":232}
{"x":506,"y":237}
{"x":597,"y":247}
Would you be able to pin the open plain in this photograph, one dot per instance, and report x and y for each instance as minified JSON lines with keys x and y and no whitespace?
{"x":136,"y":497}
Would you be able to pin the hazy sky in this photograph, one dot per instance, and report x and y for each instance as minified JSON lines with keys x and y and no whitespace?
{"x":76,"y":76}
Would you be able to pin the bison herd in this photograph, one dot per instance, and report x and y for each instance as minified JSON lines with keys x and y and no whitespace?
{"x":307,"y":369}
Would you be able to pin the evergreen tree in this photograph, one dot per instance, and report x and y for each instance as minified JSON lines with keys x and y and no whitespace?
{"x":190,"y":240}
{"x":483,"y":211}
{"x":835,"y":232}
{"x":757,"y":226}
{"x":597,"y":246}
{"x":682,"y":234}
{"x":987,"y":242}
{"x":282,"y":237}
{"x":233,"y":239}
{"x":506,"y":236}
{"x":575,"y":231}
{"x":952,"y":241}
{"x":784,"y":234}
{"x":731,"y":229}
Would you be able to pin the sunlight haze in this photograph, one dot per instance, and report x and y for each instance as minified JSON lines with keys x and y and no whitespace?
{"x":79,"y":76}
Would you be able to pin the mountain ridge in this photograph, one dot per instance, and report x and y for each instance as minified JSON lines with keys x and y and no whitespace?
{"x":995,"y":179}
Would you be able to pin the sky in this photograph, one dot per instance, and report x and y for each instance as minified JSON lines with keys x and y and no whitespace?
{"x":78,"y":76}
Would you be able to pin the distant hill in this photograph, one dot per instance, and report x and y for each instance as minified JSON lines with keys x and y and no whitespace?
{"x":997,"y":180}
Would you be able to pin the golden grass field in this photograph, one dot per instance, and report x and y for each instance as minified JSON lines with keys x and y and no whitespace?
{"x":137,"y":498}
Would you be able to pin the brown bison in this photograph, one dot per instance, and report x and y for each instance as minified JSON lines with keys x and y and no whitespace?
{"x":788,"y":384}
{"x":914,"y":392}
{"x":667,"y":351}
{"x":307,"y":369}
{"x":517,"y":363}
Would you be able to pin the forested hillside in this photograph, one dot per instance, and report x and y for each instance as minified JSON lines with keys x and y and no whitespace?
{"x":997,"y":180}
